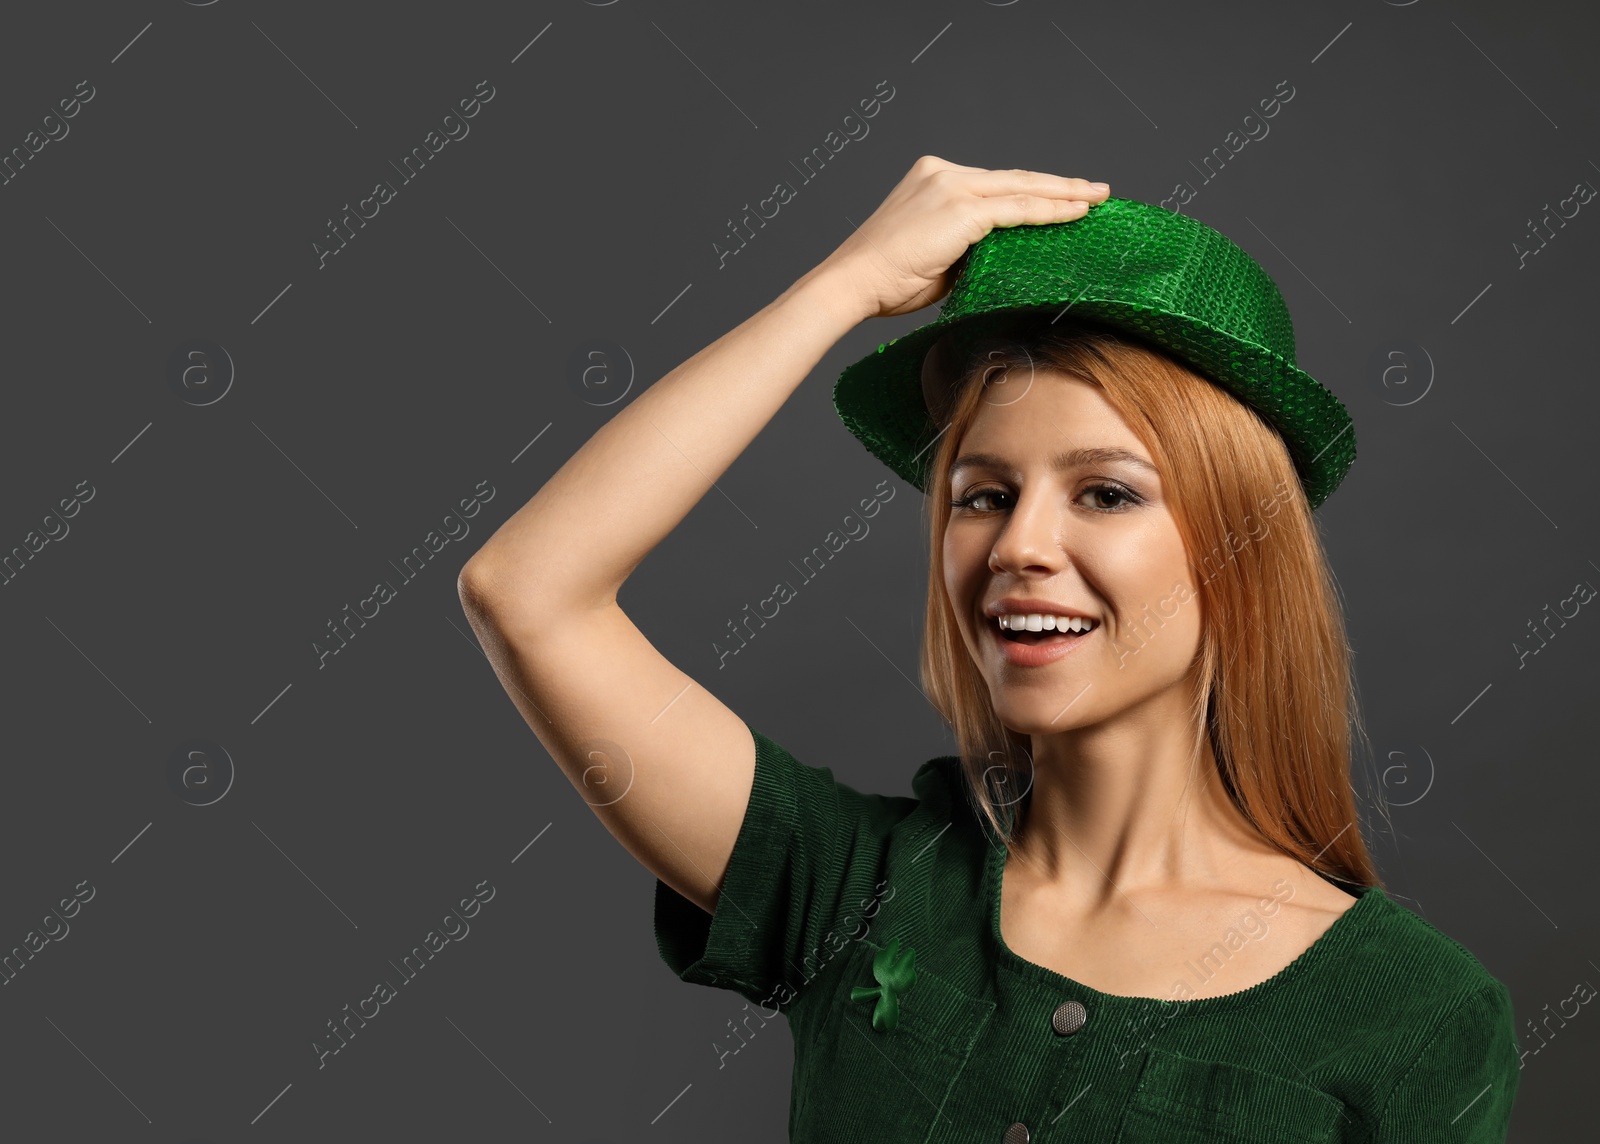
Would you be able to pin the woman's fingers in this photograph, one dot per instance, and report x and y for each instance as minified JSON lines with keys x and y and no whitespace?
{"x":1023,"y":209}
{"x":900,"y":258}
{"x":1040,"y":183}
{"x":1016,"y":180}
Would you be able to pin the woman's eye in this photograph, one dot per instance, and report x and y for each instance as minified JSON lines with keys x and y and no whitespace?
{"x":971,"y":499}
{"x":1123,"y":498}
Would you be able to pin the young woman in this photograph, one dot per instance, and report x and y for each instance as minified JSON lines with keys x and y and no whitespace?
{"x":1137,"y":906}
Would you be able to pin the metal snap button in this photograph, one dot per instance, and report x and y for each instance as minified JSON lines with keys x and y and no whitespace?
{"x":1068,"y":1017}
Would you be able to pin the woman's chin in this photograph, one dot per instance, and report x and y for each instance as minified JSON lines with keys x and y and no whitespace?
{"x":1034,"y":718}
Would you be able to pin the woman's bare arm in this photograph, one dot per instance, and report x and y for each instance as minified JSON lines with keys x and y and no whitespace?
{"x":570,"y":548}
{"x":665,"y":766}
{"x":541,"y":594}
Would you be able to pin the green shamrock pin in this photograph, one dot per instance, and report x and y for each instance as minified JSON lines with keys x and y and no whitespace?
{"x":895,"y":972}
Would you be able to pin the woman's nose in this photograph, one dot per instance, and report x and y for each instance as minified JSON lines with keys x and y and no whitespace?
{"x":1030,"y":539}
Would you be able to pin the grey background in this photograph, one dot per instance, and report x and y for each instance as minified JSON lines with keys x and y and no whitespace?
{"x":368,"y":397}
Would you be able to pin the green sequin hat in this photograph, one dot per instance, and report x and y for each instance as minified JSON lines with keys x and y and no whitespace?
{"x":1161,"y":277}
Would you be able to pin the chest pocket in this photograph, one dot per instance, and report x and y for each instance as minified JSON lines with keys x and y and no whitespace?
{"x":854,"y":1082}
{"x":1180,"y":1100}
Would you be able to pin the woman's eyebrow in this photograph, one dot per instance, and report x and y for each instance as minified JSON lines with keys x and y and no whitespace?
{"x":1066,"y":459}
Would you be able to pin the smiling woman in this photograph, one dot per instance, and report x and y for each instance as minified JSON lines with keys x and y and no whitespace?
{"x":1057,"y":946}
{"x":1109,"y":526}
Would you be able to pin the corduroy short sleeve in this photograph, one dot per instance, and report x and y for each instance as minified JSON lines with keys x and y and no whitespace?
{"x":1463,"y":1085}
{"x":809,"y":848}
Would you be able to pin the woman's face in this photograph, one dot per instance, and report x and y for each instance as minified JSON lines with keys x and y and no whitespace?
{"x":1093,"y":536}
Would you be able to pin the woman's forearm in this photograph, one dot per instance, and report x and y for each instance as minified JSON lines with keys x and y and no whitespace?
{"x":571,"y":547}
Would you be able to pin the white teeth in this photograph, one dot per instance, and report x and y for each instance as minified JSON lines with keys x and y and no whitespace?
{"x":1044,"y":622}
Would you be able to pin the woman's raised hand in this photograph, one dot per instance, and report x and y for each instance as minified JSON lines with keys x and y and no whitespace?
{"x":899,"y":260}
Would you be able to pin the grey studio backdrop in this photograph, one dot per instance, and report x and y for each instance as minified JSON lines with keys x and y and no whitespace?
{"x":234,"y":409}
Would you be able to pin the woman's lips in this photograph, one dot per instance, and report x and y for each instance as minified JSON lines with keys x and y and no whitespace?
{"x":1037,"y":654}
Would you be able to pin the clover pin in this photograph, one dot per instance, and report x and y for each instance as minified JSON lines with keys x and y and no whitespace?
{"x":895,"y":972}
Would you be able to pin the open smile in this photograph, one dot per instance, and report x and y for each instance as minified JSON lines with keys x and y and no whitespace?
{"x":1035,"y":649}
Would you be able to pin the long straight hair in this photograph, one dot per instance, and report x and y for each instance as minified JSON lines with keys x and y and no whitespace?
{"x":1274,"y":691}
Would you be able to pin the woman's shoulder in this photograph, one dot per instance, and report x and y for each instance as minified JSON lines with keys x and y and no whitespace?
{"x":1399,"y":971}
{"x":939,"y":781}
{"x":1421,"y":945}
